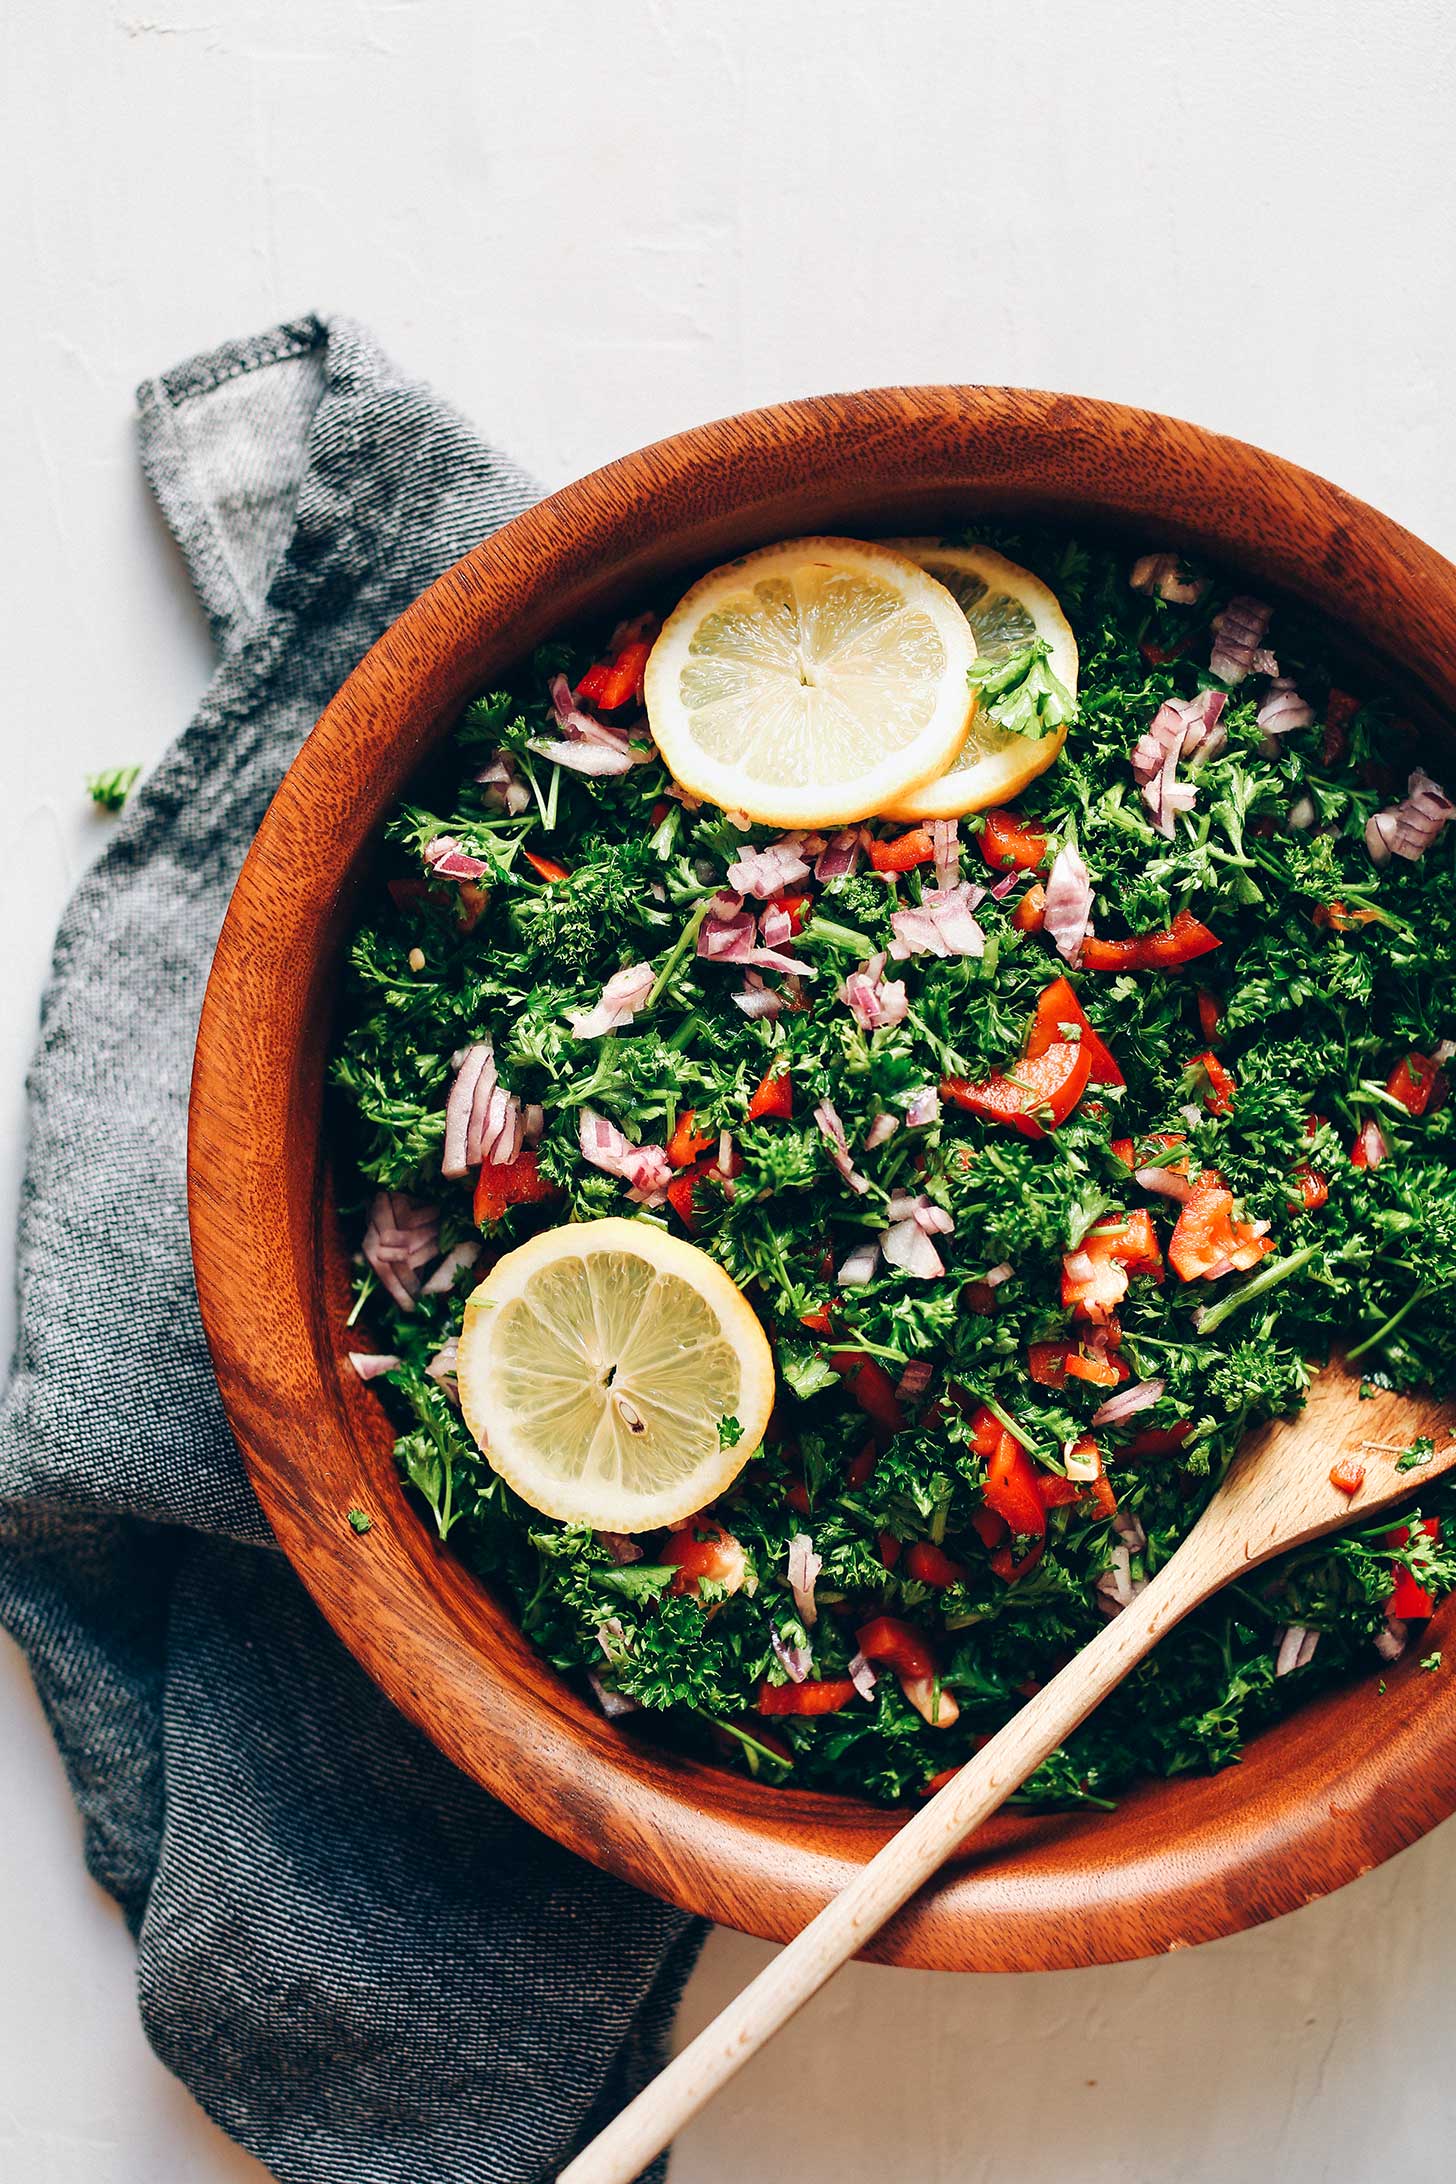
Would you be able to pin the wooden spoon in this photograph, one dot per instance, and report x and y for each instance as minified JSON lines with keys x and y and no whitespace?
{"x":1277,"y":1494}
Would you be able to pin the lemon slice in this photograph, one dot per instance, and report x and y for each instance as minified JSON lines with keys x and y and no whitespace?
{"x":811,"y":683}
{"x":1006,"y":606}
{"x":596,"y":1365}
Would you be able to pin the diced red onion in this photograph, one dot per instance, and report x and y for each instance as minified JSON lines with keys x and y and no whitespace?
{"x":370,"y":1364}
{"x":840,"y":859}
{"x":757,"y":999}
{"x":872,"y":999}
{"x":1303,"y":813}
{"x":1164,"y":574}
{"x":1068,"y":902}
{"x":776,"y":927}
{"x":1129,"y":1530}
{"x":803,"y":1569}
{"x":1078,"y":1266}
{"x":1167,"y":1182}
{"x":881,"y":1130}
{"x":504,"y":789}
{"x":1117,"y":1578}
{"x":620,"y":1546}
{"x":448,"y":861}
{"x":1390,"y":1643}
{"x":1292,"y":1644}
{"x":1239,"y":632}
{"x":1409,"y":828}
{"x":915,"y":1379}
{"x":860,"y":1265}
{"x":1264,"y":662}
{"x":796,"y":1661}
{"x":625,"y":993}
{"x":1374,"y":1144}
{"x":833,"y":1130}
{"x":994,"y":1276}
{"x":460,"y":1256}
{"x":862,"y":1676}
{"x":945,"y":842}
{"x":441,"y":1368}
{"x":645,"y":1167}
{"x":1128,"y":1402}
{"x":399,"y":1239}
{"x":766,"y":872}
{"x":475,"y":1062}
{"x":1282,"y":711}
{"x":598,"y":759}
{"x":941,"y":924}
{"x":614,"y":1704}
{"x":924,"y":1108}
{"x":1181,"y":728}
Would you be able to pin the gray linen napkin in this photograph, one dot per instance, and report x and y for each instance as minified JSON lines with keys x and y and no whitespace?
{"x":363,"y":1968}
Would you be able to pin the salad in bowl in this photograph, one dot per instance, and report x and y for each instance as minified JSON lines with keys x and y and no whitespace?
{"x":865,"y":1080}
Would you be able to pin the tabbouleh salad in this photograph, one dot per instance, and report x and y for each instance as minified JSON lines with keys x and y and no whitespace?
{"x":1052,"y":1148}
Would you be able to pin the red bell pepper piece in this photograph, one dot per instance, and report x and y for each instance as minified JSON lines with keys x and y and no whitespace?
{"x":1095,"y":1276}
{"x":1219,"y":1098}
{"x":889,"y":1548}
{"x":547,"y":867}
{"x":1122,"y":1149}
{"x":904,"y":853}
{"x":986,"y":1430}
{"x":1057,"y":1008}
{"x":989,"y":1529}
{"x":1414,"y":1082}
{"x":1011,"y":1487}
{"x":506,"y":1183}
{"x":1347,"y":1476}
{"x":860,"y":1468}
{"x":1182,"y":942}
{"x":774,"y":1096}
{"x":821,"y":1695}
{"x":623,"y":679}
{"x":1010,"y":843}
{"x":1029,"y":916}
{"x":593,"y":683}
{"x":871,"y":1387}
{"x":1033,"y":1096}
{"x":1053,"y":1364}
{"x":680,"y":1193}
{"x":931,"y":1565}
{"x":1409,"y":1598}
{"x":1008,"y":1569}
{"x":1312,"y":1187}
{"x":1336,"y":917}
{"x":797,"y":1498}
{"x":1207,"y":1234}
{"x":688,"y":1143}
{"x":796,"y":909}
{"x":817,"y":1321}
{"x":896,"y":1645}
{"x":1159,"y":1440}
{"x":704,"y":1550}
{"x":1209,"y":1014}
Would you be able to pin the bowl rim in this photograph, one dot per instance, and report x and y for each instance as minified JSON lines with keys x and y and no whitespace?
{"x":1357,"y":1776}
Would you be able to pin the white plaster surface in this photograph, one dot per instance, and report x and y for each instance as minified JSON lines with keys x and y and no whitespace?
{"x":592,"y":224}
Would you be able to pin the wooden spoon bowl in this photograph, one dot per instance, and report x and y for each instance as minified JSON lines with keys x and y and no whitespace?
{"x":1319,"y":1798}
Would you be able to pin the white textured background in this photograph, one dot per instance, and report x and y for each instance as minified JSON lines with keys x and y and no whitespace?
{"x":592,"y":224}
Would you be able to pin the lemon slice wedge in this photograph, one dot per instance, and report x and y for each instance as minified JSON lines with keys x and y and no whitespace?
{"x":1006,"y":606}
{"x":811,"y":683}
{"x":596,"y":1366}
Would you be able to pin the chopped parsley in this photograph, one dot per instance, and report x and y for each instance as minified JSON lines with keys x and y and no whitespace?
{"x":1328,"y":973}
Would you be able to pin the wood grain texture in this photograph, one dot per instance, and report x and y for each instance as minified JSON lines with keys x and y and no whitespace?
{"x":1319,"y":1799}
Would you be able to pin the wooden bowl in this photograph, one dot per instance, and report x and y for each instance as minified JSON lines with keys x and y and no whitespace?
{"x":1319,"y":1798}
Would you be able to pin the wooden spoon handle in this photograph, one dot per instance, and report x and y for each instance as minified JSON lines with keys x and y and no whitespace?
{"x":876,"y":1893}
